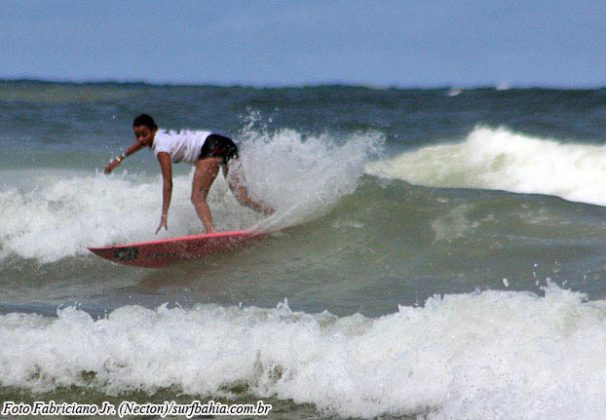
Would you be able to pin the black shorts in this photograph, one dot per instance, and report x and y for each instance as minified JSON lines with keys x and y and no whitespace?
{"x":216,"y":145}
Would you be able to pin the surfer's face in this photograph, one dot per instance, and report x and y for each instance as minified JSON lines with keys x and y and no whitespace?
{"x":144,"y":135}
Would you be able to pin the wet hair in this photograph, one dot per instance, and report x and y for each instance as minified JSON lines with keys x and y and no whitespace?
{"x":146,"y":120}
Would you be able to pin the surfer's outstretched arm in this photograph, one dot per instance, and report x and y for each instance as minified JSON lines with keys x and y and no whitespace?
{"x":118,"y":159}
{"x":167,"y":188}
{"x":241,"y":193}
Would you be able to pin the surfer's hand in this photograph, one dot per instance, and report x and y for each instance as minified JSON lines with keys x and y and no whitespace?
{"x":163,"y":223}
{"x":111,"y":166}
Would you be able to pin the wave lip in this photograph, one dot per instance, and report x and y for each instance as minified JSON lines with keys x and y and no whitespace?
{"x":499,"y":159}
{"x":505,"y":354}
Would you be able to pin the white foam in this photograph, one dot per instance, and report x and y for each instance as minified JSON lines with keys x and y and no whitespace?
{"x":482,"y":355}
{"x":64,"y":214}
{"x":454,"y":92}
{"x":500,"y":159}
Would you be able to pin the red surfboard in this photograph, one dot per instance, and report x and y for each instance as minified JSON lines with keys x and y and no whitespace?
{"x":164,"y":252}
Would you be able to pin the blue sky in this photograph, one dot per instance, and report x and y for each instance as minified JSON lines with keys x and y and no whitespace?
{"x":275,"y":43}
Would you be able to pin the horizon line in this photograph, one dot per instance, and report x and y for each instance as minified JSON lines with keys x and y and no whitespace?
{"x":504,"y":86}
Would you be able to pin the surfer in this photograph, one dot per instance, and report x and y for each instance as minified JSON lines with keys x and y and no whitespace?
{"x":206,"y":151}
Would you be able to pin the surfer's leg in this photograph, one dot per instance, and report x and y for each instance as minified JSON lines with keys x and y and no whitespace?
{"x":206,"y":172}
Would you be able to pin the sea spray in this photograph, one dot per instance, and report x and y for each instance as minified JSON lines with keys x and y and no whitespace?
{"x":304,"y":176}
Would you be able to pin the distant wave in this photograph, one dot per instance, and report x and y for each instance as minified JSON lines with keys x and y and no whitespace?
{"x":500,"y":159}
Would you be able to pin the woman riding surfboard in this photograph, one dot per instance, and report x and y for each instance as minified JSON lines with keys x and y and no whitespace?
{"x":205,"y":150}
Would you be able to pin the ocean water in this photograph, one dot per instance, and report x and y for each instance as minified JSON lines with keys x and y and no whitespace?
{"x":434,"y":253}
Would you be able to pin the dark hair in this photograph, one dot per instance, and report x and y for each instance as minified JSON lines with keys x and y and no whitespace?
{"x":145,"y":120}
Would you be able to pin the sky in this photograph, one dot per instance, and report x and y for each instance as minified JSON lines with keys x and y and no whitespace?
{"x":405,"y":43}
